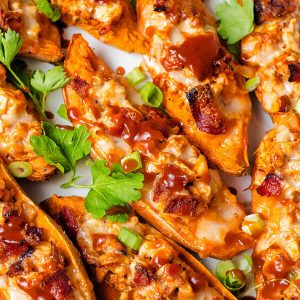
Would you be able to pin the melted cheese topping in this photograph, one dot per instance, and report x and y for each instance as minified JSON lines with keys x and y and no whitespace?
{"x":120,"y":270}
{"x":18,"y":122}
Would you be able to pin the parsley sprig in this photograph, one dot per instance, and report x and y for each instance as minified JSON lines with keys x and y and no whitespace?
{"x":40,"y":84}
{"x":111,"y":187}
{"x":236,"y":19}
{"x":62,"y":148}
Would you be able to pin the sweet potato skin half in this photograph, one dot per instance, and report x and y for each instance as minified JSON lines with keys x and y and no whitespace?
{"x":118,"y":29}
{"x":54,"y":205}
{"x":52,"y":232}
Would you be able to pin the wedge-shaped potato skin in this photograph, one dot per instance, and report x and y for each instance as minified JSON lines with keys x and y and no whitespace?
{"x":18,"y":122}
{"x":198,"y":79}
{"x":273,"y":51}
{"x":182,"y":197}
{"x":275,"y":190}
{"x":159,"y":269}
{"x":37,"y":258}
{"x":41,"y":39}
{"x":112,"y":22}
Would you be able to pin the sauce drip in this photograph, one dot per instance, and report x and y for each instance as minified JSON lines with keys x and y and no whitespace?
{"x":129,"y":165}
{"x":197,"y":281}
{"x":173,"y":179}
{"x":34,"y":291}
{"x":273,"y":289}
{"x":142,"y":134}
{"x":198,"y":53}
{"x":120,"y":71}
{"x":11,"y":229}
{"x":160,"y":259}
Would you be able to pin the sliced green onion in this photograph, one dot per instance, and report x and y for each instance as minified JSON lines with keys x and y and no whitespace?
{"x":235,"y":280}
{"x":121,"y":218}
{"x":245,"y":264}
{"x":20,"y":169}
{"x":62,"y":112}
{"x":151,"y":94}
{"x":252,"y":83}
{"x":222,"y":268}
{"x":135,"y":76}
{"x":253,"y":224}
{"x":297,"y":107}
{"x":130,"y":238}
{"x":132,"y":162}
{"x":48,"y":9}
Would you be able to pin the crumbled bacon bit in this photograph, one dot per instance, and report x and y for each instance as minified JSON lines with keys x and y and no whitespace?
{"x":205,"y":112}
{"x":80,"y":86}
{"x":12,"y":248}
{"x":265,"y":10}
{"x":183,"y":205}
{"x":142,"y":276}
{"x":272,"y":186}
{"x":15,"y":269}
{"x":69,"y":221}
{"x":284,"y":104}
{"x":58,"y":285}
{"x":294,"y":72}
{"x":9,"y":19}
{"x":33,"y":235}
{"x":172,"y":179}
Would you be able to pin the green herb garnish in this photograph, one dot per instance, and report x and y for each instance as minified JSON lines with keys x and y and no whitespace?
{"x":62,"y":148}
{"x":48,"y":9}
{"x":236,"y":19}
{"x":111,"y":188}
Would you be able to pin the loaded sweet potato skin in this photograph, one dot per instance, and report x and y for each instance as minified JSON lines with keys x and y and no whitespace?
{"x":181,"y":195}
{"x":37,"y":258}
{"x":18,"y":122}
{"x":201,"y":88}
{"x":275,"y":191}
{"x":112,"y":22}
{"x":273,"y":51}
{"x":159,"y":269}
{"x":41,"y":39}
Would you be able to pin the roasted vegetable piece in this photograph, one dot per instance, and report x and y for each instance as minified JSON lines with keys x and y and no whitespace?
{"x":18,"y":122}
{"x":197,"y":76}
{"x":273,"y":50}
{"x":112,"y":22}
{"x":182,"y":197}
{"x":41,"y":39}
{"x":38,"y":261}
{"x":275,"y":190}
{"x":158,"y":269}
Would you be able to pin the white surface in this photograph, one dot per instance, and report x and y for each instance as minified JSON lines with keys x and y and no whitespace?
{"x":260,"y":123}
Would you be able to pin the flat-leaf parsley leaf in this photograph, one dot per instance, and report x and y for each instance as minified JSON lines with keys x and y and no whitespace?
{"x":111,"y":188}
{"x":236,"y":19}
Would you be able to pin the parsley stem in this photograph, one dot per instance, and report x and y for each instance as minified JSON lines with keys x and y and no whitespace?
{"x":83,"y":186}
{"x":25,"y":89}
{"x":43,"y":102}
{"x":22,"y":85}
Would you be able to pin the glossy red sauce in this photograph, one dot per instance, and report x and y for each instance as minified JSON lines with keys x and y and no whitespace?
{"x":129,"y":165}
{"x":160,"y":259}
{"x":106,"y":243}
{"x":174,"y":269}
{"x":142,"y":134}
{"x":11,"y":229}
{"x":273,"y":289}
{"x":198,"y":53}
{"x":279,"y":266}
{"x":120,"y":71}
{"x":34,"y":291}
{"x":197,"y":281}
{"x":238,"y":240}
